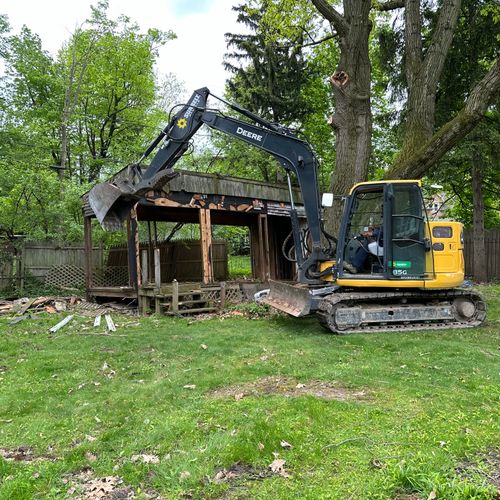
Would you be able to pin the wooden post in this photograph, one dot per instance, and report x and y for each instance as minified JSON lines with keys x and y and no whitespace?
{"x":22,"y":257}
{"x":87,"y":228}
{"x":262,"y":261}
{"x":206,"y":245}
{"x":144,"y":267}
{"x":222,"y":294}
{"x":175,"y":296}
{"x":157,"y":269}
{"x":157,"y":281}
{"x":254,"y":249}
{"x":101,"y":255}
{"x":266,"y":264}
{"x":132,"y":250}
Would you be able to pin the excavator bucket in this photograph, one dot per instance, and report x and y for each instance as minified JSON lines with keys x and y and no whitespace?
{"x":111,"y":205}
{"x":293,"y":299}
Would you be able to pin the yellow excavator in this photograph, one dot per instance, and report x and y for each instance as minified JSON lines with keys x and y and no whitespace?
{"x":388,"y":269}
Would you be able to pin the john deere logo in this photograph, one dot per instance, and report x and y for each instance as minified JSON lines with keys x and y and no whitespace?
{"x":182,"y":123}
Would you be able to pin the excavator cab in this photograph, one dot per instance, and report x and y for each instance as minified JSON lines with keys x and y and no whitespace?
{"x":385,"y":233}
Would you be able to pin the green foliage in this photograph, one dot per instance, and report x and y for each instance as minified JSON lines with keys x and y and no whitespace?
{"x":268,"y":75}
{"x":240,"y":266}
{"x":89,"y":112}
{"x":237,"y":238}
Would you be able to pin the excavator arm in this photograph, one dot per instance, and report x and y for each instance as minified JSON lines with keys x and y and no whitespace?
{"x":112,"y":202}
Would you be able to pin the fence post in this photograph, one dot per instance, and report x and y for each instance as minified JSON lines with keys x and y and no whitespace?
{"x":144,"y":267}
{"x":175,"y":296}
{"x":222,"y":294}
{"x":157,"y":269}
{"x":21,"y":267}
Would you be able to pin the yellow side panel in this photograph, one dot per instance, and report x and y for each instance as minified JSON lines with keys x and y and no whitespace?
{"x":448,"y":254}
{"x":376,"y":283}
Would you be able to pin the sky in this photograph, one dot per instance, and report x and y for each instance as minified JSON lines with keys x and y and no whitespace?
{"x":195,"y":57}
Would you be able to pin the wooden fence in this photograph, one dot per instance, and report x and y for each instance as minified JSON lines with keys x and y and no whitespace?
{"x":58,"y":263}
{"x":492,"y":243}
{"x":34,"y":259}
{"x":179,"y":259}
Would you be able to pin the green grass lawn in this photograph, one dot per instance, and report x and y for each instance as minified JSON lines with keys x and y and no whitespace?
{"x":199,"y":409}
{"x":239,"y":266}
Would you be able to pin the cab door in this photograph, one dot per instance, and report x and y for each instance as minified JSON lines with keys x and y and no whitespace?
{"x":406,"y":227}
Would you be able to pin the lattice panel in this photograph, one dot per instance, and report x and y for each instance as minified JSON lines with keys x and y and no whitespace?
{"x":65,"y":276}
{"x":110,"y":276}
{"x":74,"y":277}
{"x":233,"y":295}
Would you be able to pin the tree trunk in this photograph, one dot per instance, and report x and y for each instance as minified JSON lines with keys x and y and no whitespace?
{"x":352,"y":119}
{"x":423,"y":73}
{"x":480,"y":262}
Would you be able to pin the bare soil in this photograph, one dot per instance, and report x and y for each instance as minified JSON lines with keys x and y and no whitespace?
{"x":289,"y":387}
{"x":23,"y":454}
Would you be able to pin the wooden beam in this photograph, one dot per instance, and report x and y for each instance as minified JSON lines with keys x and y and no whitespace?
{"x":206,"y":245}
{"x":144,"y":267}
{"x":157,"y":269}
{"x":254,"y":249}
{"x":175,"y":296}
{"x":265,"y":246}
{"x":132,"y":250}
{"x":87,"y":229}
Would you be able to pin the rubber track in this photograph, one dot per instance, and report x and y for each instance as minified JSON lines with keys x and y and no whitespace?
{"x":379,"y":298}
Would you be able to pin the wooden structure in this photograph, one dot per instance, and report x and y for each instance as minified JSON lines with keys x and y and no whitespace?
{"x":204,"y":199}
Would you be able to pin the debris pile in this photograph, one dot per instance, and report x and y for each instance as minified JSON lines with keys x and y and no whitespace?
{"x":54,"y":305}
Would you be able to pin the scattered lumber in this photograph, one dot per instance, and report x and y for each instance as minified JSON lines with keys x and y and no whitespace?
{"x":62,"y":323}
{"x":109,"y":322}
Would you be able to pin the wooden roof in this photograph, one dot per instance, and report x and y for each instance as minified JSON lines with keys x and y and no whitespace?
{"x":196,"y":183}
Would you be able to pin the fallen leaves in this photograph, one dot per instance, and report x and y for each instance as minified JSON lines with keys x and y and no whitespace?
{"x":277,"y":466}
{"x":184,"y":475}
{"x":145,"y":458}
{"x":284,"y":444}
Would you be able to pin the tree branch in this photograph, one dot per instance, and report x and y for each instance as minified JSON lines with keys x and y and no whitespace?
{"x":390,"y":5}
{"x":452,"y":132}
{"x":441,"y":40}
{"x":309,"y":44}
{"x":332,"y":15}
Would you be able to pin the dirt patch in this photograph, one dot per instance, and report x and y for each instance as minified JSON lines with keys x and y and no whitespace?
{"x":236,"y":478}
{"x":486,"y":467}
{"x":289,"y":387}
{"x":241,"y":471}
{"x":84,"y":486}
{"x":23,"y":454}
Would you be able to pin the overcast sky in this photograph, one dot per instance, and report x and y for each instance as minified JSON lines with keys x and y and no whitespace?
{"x":195,"y":57}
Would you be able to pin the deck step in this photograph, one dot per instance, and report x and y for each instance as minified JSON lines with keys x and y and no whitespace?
{"x":192,"y":311}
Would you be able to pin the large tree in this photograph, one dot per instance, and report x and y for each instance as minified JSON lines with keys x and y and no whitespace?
{"x":426,"y":46}
{"x":84,"y":113}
